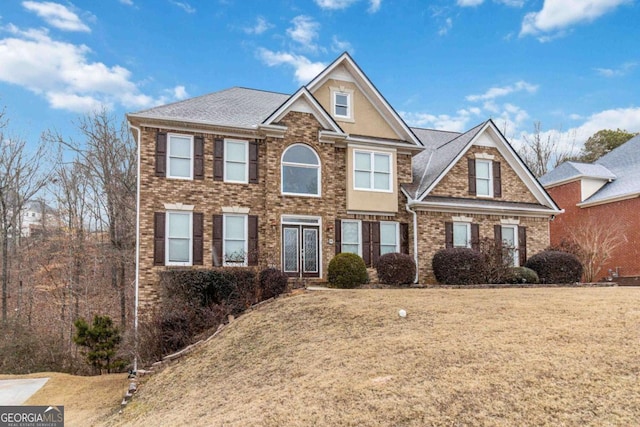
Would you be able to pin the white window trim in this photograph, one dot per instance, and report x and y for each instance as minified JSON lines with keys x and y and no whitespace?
{"x":397,"y":232}
{"x":453,"y":232}
{"x":490,"y":163}
{"x":372,"y":172}
{"x":342,"y":91}
{"x":516,"y":244}
{"x":246,"y":161}
{"x":179,"y":135}
{"x":224,"y":241}
{"x":342,"y":242}
{"x":302,"y":165}
{"x":168,"y":237}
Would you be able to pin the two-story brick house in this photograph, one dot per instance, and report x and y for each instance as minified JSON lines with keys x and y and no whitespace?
{"x":248,"y":177}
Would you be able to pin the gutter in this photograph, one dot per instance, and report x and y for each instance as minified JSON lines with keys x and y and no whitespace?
{"x":137,"y":284}
{"x":415,"y":238}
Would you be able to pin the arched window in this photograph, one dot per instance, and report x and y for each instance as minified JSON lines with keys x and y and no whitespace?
{"x":300,"y":171}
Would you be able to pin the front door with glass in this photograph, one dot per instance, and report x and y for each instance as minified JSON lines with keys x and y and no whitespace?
{"x":300,"y":249}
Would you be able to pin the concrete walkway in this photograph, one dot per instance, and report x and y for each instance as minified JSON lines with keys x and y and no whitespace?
{"x":16,"y":392}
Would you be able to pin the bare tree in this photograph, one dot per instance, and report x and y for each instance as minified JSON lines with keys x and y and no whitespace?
{"x":597,"y":240}
{"x":107,"y":157}
{"x":541,"y":152}
{"x":22,"y":176}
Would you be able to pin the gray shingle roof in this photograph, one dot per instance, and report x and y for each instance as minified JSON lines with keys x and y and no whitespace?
{"x":621,"y":166}
{"x":441,"y":149}
{"x":497,"y":205}
{"x":571,"y":170}
{"x":234,"y":107}
{"x":624,"y":162}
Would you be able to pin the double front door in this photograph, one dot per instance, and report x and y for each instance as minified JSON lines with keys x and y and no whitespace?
{"x":300,"y":250}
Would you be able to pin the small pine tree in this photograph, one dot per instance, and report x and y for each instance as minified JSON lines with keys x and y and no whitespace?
{"x":101,"y":340}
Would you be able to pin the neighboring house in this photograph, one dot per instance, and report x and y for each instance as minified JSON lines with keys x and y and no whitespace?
{"x":604,"y":194}
{"x":248,"y":177}
{"x":36,"y":216}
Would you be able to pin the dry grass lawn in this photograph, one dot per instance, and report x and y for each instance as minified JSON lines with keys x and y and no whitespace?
{"x":464,"y":357}
{"x":86,"y":399}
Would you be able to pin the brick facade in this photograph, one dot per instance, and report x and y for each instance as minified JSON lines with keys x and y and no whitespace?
{"x":623,"y":215}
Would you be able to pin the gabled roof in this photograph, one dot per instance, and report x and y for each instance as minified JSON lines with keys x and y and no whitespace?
{"x":624,"y":163}
{"x":570,"y":171}
{"x":235,"y":107}
{"x":445,"y":149}
{"x":302,"y":100}
{"x":368,"y":89}
{"x":441,"y":150}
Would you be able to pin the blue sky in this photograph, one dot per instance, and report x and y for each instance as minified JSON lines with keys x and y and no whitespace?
{"x":573,"y":65}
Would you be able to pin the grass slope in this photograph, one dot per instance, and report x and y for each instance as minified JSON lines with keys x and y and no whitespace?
{"x":461,"y":357}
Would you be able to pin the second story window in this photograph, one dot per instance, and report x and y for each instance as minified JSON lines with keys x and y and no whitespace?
{"x":236,"y":154}
{"x":372,"y":171}
{"x":484,"y":185}
{"x":180,"y":156}
{"x":300,"y":171}
{"x":342,"y":103}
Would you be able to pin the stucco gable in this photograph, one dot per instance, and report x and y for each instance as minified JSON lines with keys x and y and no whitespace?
{"x":372,"y":115}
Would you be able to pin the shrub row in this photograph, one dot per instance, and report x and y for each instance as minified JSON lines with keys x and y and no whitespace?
{"x":463,"y":266}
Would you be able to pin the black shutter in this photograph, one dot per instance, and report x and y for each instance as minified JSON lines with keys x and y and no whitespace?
{"x":158,"y":238}
{"x":475,"y":237}
{"x":253,"y":162}
{"x":338,"y":239}
{"x":448,"y":235}
{"x":375,"y":243}
{"x":217,"y":240}
{"x":218,"y":159}
{"x":161,"y":154}
{"x":198,"y":238}
{"x":497,"y":236}
{"x":404,"y":238}
{"x":366,"y":242}
{"x":497,"y":180}
{"x":198,"y":157}
{"x":252,"y":256}
{"x":472,"y":176}
{"x":522,"y":245}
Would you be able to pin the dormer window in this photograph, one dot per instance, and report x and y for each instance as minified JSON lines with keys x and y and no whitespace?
{"x":342,"y":101}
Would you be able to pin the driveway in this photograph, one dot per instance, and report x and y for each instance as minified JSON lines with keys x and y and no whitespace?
{"x":16,"y":392}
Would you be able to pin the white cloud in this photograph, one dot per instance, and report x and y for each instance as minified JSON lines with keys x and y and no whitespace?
{"x":184,"y":6}
{"x":304,"y":31}
{"x":127,"y":2}
{"x":469,"y":3}
{"x":56,"y":15}
{"x":260,"y":26}
{"x":62,"y":73}
{"x":335,"y":4}
{"x":448,"y":24}
{"x":374,"y":5}
{"x":456,"y":123}
{"x":496,"y":92}
{"x":304,"y":69}
{"x":340,"y":46}
{"x":557,"y":16}
{"x":623,"y":70}
{"x":179,"y":92}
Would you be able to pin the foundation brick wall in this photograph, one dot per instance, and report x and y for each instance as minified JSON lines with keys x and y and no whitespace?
{"x":432,"y":235}
{"x":622,"y":216}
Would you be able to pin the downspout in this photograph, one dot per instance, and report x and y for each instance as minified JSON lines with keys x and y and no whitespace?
{"x":137,"y":285}
{"x":415,"y":239}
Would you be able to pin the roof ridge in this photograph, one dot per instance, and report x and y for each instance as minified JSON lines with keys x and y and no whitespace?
{"x":463,"y":134}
